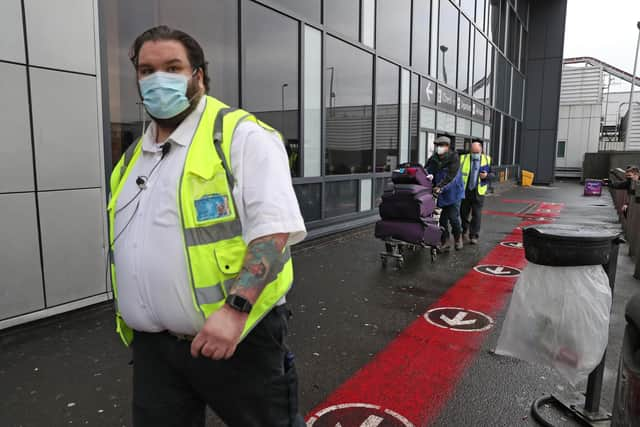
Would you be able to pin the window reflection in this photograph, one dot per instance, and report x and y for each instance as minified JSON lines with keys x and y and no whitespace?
{"x":341,"y":198}
{"x":394,"y":28}
{"x":271,"y":76}
{"x":349,"y":99}
{"x":387,"y":115}
{"x":463,"y":55}
{"x":309,"y":199}
{"x":507,"y":140}
{"x":413,"y":121}
{"x":213,"y":24}
{"x":493,"y":20}
{"x":480,"y":8}
{"x":514,"y":36}
{"x":309,"y":9}
{"x":448,"y":42}
{"x":479,"y":67}
{"x":421,"y":22}
{"x":468,"y":7}
{"x":343,"y":16}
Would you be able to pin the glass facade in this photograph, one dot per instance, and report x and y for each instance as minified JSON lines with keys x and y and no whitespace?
{"x":271,"y":77}
{"x":387,"y":115}
{"x":355,"y":86}
{"x":448,"y":43}
{"x":349,"y":108}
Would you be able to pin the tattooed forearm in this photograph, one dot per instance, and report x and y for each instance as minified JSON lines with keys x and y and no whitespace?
{"x":263,"y":260}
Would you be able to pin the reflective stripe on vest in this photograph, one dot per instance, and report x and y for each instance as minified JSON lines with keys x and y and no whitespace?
{"x":213,"y":246}
{"x":465,"y":161}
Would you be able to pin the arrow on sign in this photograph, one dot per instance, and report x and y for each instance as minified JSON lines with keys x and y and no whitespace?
{"x":429,"y":91}
{"x":458,"y":320}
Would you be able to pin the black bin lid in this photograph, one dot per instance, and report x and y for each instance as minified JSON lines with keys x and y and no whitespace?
{"x":569,"y":244}
{"x":573,"y":232}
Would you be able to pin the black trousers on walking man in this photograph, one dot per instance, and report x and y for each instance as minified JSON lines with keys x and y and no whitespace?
{"x":471,"y":213}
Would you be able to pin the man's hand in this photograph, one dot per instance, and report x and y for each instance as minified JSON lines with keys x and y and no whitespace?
{"x":483,"y":175}
{"x":437,"y":191}
{"x":220,"y":334}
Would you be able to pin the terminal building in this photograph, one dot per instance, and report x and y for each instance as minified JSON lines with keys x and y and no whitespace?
{"x":356,"y":87}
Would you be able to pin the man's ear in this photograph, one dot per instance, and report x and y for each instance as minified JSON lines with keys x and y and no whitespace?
{"x":200,"y":75}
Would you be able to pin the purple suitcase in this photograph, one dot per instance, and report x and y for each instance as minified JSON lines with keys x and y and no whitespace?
{"x":407,"y":202}
{"x":427,"y":232}
{"x":411,"y":174}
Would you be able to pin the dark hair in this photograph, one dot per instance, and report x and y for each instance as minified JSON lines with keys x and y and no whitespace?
{"x":163,"y":32}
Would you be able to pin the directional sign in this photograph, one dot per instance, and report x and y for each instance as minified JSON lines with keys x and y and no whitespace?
{"x":463,"y":105}
{"x":446,"y":98}
{"x":497,"y":270}
{"x":514,"y":245}
{"x":428,"y":92}
{"x":357,"y":415}
{"x":459,"y":319}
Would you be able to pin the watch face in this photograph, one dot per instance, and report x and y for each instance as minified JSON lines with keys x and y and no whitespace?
{"x":239,"y":303}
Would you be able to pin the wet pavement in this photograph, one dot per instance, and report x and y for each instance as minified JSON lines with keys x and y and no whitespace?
{"x":72,"y":369}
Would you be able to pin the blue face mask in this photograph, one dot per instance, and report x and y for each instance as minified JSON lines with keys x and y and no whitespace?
{"x":475,"y":156}
{"x":164,"y":95}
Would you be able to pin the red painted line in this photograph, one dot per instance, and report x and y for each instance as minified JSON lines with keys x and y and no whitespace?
{"x":531,"y":202}
{"x":415,"y":375}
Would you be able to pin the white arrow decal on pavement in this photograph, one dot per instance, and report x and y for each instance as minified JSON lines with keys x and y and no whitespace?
{"x":458,"y":320}
{"x":497,"y":271}
{"x":372,"y":421}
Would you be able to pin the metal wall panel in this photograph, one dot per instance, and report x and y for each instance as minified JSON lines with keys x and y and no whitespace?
{"x":581,"y":86}
{"x":16,"y":161}
{"x":65,"y":122}
{"x":61,"y":36}
{"x":21,"y":282}
{"x":72,"y":235}
{"x":12,"y":40}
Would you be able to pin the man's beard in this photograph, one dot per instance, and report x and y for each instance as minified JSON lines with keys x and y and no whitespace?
{"x":194,"y":99}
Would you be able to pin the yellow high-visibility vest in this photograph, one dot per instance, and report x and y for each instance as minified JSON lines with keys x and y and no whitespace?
{"x":465,"y":167}
{"x":213,"y":247}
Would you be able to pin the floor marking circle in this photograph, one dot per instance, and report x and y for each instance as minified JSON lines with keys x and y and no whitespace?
{"x":357,"y":415}
{"x":459,"y":319}
{"x":512,"y":244}
{"x":497,"y":270}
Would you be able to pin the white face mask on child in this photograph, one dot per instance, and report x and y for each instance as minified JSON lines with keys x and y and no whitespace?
{"x":440,"y":150}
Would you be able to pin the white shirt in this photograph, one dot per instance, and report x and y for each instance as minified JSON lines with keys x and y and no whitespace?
{"x":153,"y":283}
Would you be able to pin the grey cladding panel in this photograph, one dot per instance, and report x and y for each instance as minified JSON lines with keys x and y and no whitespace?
{"x":532,"y":96}
{"x":21,"y":281}
{"x":72,"y":244}
{"x":546,"y":157}
{"x":551,"y":94}
{"x":555,"y":23}
{"x":537,"y":32}
{"x":529,"y":149}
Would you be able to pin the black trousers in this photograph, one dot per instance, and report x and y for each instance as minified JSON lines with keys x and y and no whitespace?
{"x":471,"y":213}
{"x":256,"y":387}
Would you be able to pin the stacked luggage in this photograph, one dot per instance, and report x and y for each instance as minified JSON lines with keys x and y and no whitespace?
{"x":407,"y":209}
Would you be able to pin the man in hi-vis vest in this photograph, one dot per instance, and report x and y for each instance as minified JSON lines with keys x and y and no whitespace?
{"x":201,"y":217}
{"x":476,"y":172}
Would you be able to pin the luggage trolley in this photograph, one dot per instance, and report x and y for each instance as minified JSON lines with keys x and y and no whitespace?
{"x":409,"y":216}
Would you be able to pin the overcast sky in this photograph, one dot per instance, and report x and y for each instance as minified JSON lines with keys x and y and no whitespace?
{"x":603,"y":29}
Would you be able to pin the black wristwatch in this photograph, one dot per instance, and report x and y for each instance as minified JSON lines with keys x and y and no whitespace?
{"x":239,"y":303}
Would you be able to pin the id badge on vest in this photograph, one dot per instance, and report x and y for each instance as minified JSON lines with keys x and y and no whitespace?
{"x":212,"y":206}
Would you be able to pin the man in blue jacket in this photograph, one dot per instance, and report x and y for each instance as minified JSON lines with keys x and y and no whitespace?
{"x":444,"y":165}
